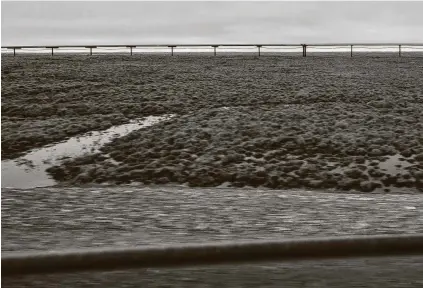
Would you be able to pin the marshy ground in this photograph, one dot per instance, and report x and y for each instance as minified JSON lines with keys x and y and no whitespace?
{"x":278,"y":122}
{"x":320,"y":123}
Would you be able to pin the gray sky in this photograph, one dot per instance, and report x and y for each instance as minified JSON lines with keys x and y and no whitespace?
{"x":49,"y":23}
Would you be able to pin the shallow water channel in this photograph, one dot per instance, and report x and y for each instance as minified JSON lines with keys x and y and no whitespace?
{"x":29,"y":171}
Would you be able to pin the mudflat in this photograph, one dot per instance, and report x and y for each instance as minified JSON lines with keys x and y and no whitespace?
{"x":277,"y":122}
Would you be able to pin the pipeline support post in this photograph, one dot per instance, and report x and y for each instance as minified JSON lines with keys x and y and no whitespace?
{"x":171,"y":49}
{"x":351,"y":50}
{"x":399,"y":50}
{"x":304,"y":50}
{"x":52,"y":49}
{"x":14,"y":50}
{"x":130,"y":49}
{"x":214,"y":47}
{"x":91,"y":49}
{"x":259,"y":47}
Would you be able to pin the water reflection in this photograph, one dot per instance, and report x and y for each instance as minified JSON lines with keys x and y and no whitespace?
{"x":29,"y":171}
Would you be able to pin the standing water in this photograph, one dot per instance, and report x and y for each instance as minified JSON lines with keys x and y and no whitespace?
{"x":29,"y":171}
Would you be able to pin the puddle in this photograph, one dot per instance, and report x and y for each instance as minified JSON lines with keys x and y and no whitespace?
{"x":28,"y":171}
{"x":394,"y":165}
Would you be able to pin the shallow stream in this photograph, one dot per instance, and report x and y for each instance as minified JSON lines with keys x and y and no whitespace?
{"x":29,"y":171}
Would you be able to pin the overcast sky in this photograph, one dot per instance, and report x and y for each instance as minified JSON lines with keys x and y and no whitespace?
{"x":49,"y":23}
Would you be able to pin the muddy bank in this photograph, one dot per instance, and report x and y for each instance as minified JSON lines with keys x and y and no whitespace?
{"x":320,"y":146}
{"x":63,"y":218}
{"x":47,"y":99}
{"x":278,"y":122}
{"x":67,"y":217}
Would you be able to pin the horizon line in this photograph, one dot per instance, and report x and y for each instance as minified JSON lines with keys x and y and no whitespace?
{"x":208,"y":45}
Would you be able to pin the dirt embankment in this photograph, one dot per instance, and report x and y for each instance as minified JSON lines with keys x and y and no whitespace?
{"x":65,"y":218}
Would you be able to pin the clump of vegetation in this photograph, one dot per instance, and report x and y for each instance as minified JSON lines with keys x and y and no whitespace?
{"x":273,"y":122}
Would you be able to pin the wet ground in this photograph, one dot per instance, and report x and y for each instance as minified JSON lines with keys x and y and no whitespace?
{"x":339,"y":111}
{"x":58,"y":218}
{"x":361,"y":99}
{"x":29,"y":171}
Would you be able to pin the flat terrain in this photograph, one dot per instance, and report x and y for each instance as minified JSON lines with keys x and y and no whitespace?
{"x":279,"y":122}
{"x":60,"y":218}
{"x":320,"y":123}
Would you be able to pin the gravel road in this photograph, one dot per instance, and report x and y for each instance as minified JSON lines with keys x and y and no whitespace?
{"x":57,"y":218}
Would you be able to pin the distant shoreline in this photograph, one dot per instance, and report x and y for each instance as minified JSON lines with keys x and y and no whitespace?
{"x":207,"y":53}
